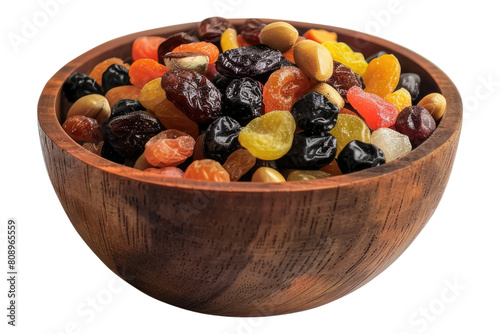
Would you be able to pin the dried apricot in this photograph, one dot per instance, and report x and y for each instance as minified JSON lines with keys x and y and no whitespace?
{"x":342,"y":53}
{"x":400,"y":99}
{"x":283,"y":88}
{"x":206,"y":170}
{"x":382,"y":75}
{"x":144,"y":70}
{"x":146,"y":47}
{"x":169,"y":148}
{"x":229,"y":39}
{"x":122,"y":92}
{"x":321,"y":35}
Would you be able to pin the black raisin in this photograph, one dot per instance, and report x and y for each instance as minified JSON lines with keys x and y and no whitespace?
{"x":126,"y":106}
{"x":310,"y":152}
{"x":114,"y":76}
{"x":243,"y":100}
{"x":357,"y":155}
{"x":410,"y":82}
{"x":314,"y":113}
{"x":221,"y":139}
{"x":249,"y":61}
{"x":128,"y":134}
{"x":78,"y":85}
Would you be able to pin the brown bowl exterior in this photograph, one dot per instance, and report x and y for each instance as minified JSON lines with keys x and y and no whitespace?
{"x":249,"y":249}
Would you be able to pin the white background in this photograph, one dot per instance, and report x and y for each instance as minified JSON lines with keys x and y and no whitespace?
{"x":59,"y":277}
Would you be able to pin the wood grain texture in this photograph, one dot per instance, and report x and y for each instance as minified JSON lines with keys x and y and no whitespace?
{"x":248,"y":249}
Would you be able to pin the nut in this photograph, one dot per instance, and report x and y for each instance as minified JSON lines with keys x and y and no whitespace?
{"x":279,"y":35}
{"x":267,"y":174}
{"x":314,"y":59}
{"x":331,"y":93}
{"x":94,"y":106}
{"x":197,"y":62}
{"x":435,"y":103}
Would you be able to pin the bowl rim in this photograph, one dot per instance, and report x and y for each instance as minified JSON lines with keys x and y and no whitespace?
{"x":449,"y":125}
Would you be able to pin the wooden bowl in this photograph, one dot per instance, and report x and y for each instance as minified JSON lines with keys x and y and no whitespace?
{"x":249,"y":249}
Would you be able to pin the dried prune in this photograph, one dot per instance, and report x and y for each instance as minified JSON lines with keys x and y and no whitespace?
{"x":128,"y":134}
{"x":221,"y":139}
{"x":115,"y":75}
{"x":211,"y":29}
{"x":174,"y":41}
{"x":310,"y":152}
{"x":410,"y":82}
{"x":343,"y":79}
{"x":249,"y":61}
{"x":78,"y":85}
{"x":243,"y":100}
{"x":126,"y":106}
{"x":251,"y":30}
{"x":357,"y":156}
{"x":193,"y":94}
{"x":314,"y":113}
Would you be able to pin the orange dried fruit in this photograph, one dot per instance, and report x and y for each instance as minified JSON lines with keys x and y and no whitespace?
{"x":146,"y":47}
{"x":206,"y":170}
{"x":122,"y":92}
{"x":144,"y":70}
{"x":169,"y":148}
{"x":283,"y":88}
{"x":321,"y":35}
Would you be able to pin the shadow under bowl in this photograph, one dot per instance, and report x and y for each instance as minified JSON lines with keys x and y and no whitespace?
{"x":248,"y":249}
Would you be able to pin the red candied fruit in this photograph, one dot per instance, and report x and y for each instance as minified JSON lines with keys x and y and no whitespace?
{"x":283,"y":88}
{"x":377,"y":112}
{"x":146,"y":47}
{"x":143,"y":71}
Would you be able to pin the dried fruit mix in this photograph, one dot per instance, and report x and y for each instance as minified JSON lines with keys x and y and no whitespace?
{"x":257,"y":102}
